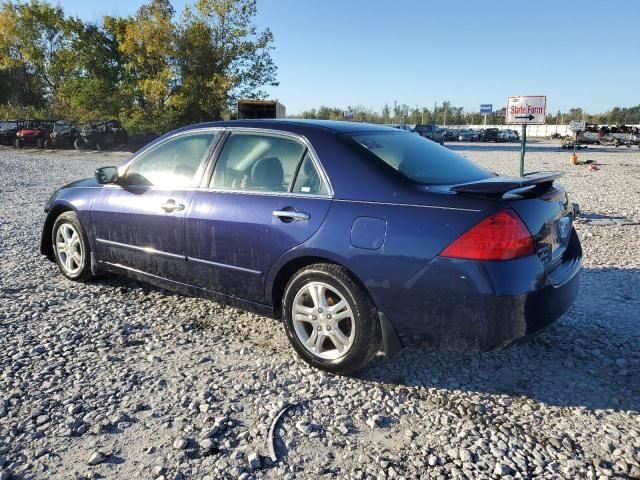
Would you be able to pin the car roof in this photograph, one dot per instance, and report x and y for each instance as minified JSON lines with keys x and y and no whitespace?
{"x":282,"y":124}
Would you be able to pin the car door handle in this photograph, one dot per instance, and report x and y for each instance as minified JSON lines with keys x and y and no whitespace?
{"x":171,"y":206}
{"x":287,"y":214}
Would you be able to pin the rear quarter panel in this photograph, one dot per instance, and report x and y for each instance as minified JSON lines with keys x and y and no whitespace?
{"x":414,"y":236}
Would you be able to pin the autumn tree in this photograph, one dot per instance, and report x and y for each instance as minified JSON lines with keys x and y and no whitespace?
{"x":34,"y":44}
{"x":222,"y":57}
{"x":146,"y":45}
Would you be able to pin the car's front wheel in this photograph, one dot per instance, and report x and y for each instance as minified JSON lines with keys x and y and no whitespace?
{"x":71,"y":247}
{"x":330,"y":319}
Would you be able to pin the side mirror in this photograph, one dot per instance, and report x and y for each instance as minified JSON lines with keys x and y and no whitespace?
{"x":107,"y":175}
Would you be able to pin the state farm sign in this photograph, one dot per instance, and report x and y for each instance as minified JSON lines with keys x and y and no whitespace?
{"x":530,"y":110}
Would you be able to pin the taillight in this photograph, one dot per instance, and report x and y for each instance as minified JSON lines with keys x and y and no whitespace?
{"x":501,"y":236}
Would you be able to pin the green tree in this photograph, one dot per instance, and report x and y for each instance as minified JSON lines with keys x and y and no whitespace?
{"x":146,"y":44}
{"x":34,"y":44}
{"x":222,"y":57}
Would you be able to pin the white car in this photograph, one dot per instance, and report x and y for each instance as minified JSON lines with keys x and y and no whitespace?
{"x":508,"y":136}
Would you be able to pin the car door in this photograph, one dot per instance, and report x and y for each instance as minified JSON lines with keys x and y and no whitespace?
{"x":138,"y":223}
{"x":268,"y":194}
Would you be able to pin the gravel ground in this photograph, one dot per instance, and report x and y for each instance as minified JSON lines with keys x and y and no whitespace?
{"x":114,"y":379}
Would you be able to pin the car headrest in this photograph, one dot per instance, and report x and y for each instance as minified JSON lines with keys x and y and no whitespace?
{"x":267,"y":173}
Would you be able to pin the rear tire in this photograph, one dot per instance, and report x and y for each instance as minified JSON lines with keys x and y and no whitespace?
{"x":79,"y":144}
{"x":330,"y":319}
{"x":71,"y":247}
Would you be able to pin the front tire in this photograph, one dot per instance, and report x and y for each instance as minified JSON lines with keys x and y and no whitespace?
{"x":71,"y":247}
{"x":330,"y":319}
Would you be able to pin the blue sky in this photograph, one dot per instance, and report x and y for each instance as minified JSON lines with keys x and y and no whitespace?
{"x":368,"y":52}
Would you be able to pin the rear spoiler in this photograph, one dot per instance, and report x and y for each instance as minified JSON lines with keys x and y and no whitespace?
{"x":498,"y":186}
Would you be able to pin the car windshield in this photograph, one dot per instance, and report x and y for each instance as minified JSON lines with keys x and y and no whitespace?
{"x":7,"y":125}
{"x":421,"y":160}
{"x":61,"y":127}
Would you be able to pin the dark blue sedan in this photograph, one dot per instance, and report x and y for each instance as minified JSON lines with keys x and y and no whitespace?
{"x":359,"y":237}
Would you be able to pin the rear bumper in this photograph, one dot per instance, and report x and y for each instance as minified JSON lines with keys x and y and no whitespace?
{"x":480,"y":306}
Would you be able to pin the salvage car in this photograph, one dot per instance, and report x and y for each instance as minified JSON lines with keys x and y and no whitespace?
{"x":8,"y":131}
{"x":64,"y":135}
{"x":490,"y":135}
{"x":430,"y":131}
{"x":508,"y":135}
{"x":33,"y":132}
{"x":468,"y":135}
{"x":359,"y":237}
{"x":104,"y":135}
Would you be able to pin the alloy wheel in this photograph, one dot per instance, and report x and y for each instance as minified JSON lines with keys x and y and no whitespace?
{"x":323,"y":320}
{"x":69,"y":248}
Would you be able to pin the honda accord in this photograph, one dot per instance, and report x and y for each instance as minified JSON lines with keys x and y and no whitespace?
{"x":359,"y":237}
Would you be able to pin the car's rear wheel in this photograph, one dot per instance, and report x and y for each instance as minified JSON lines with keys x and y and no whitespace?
{"x":330,"y":319}
{"x":71,"y":247}
{"x":79,"y":143}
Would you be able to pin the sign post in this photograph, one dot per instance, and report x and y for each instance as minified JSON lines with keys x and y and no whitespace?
{"x":576,"y":127}
{"x":526,"y":110}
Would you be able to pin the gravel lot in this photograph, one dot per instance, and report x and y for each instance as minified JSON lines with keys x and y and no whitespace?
{"x":114,"y":379}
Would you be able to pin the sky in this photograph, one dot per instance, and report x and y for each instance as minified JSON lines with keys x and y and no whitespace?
{"x":371,"y":52}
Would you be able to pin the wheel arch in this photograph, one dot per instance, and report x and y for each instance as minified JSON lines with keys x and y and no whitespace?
{"x":293,"y":265}
{"x":46,"y":247}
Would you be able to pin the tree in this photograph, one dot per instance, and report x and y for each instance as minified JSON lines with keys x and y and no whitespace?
{"x":34,"y":43}
{"x":222,"y":57}
{"x":147,"y":46}
{"x":92,"y":89}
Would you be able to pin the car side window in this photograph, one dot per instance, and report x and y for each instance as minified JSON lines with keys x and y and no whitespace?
{"x":308,"y":179}
{"x":257,"y":162}
{"x":173,"y":163}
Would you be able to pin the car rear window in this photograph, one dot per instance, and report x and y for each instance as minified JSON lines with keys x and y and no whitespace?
{"x":419,"y":159}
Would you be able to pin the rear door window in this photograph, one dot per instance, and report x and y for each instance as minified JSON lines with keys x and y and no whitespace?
{"x":419,"y":159}
{"x":257,"y":162}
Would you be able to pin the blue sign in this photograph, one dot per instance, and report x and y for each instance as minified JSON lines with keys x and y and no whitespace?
{"x":486,"y":109}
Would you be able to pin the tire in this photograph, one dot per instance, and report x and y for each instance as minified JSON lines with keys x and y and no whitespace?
{"x":48,"y":143}
{"x":18,"y":143}
{"x":99,"y":147}
{"x":359,"y":328}
{"x":79,"y":143}
{"x":74,"y":259}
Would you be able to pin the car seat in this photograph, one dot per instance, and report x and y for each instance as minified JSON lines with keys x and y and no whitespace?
{"x":267,"y":174}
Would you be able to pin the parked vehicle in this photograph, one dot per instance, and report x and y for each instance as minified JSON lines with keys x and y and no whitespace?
{"x":358,"y":236}
{"x":8,"y":131}
{"x":400,"y":126}
{"x":508,"y":135}
{"x":64,"y":135}
{"x":490,"y":135}
{"x":468,"y":135}
{"x":450,"y":134}
{"x":430,"y":131}
{"x":105,"y":135}
{"x":33,"y":132}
